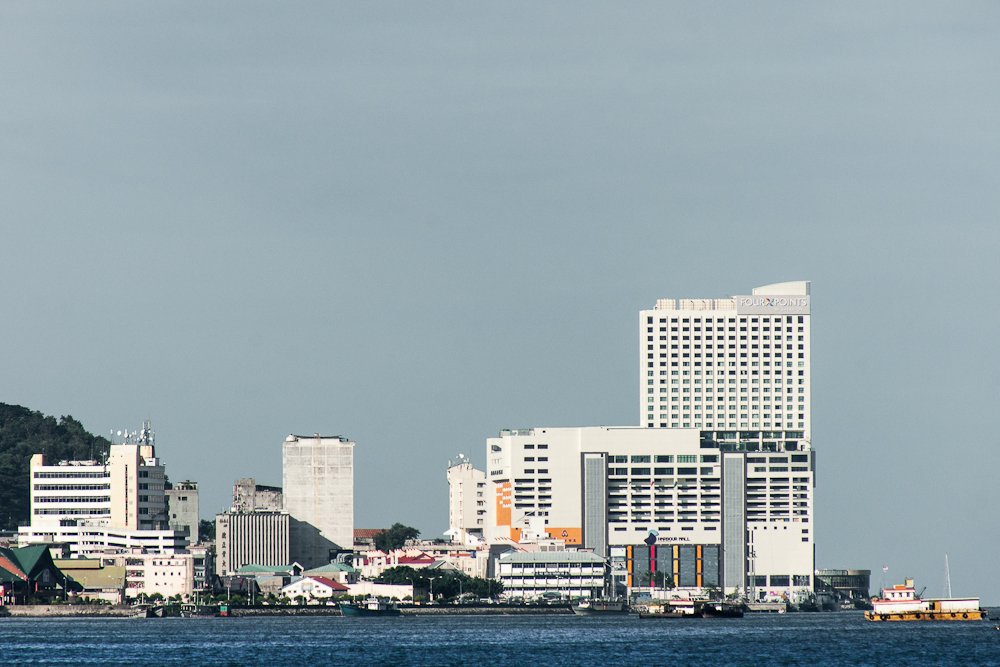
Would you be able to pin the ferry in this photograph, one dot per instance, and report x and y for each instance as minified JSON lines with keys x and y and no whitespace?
{"x":902,"y":603}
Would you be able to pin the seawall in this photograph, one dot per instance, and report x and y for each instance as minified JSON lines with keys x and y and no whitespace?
{"x":65,"y":611}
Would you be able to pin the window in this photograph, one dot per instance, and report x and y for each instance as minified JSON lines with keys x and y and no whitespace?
{"x":640,"y":458}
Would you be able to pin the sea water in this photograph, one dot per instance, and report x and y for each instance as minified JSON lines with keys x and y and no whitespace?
{"x":817,"y":640}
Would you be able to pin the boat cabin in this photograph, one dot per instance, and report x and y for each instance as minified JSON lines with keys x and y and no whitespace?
{"x":900,"y":592}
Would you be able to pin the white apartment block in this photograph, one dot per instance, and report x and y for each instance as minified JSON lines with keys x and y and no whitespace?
{"x":466,"y":502}
{"x":318,"y":488}
{"x":124,"y":492}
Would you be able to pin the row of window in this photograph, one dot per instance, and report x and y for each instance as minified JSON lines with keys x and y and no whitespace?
{"x":763,"y":319}
{"x":708,"y":364}
{"x":721,"y":424}
{"x":72,"y":475}
{"x":662,"y":458}
{"x":72,"y":499}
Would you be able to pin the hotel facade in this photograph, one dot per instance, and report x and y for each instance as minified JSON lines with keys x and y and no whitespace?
{"x":715,"y":487}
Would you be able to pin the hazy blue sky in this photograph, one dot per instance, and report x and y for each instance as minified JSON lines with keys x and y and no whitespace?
{"x":417,"y":223}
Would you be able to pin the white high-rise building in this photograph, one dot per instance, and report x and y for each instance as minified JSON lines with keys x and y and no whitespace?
{"x":95,"y":505}
{"x":716,"y":484}
{"x":318,"y":488}
{"x":466,"y":502}
{"x":738,"y":368}
{"x":740,"y":362}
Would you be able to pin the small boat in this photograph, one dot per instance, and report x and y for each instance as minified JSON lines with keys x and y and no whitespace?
{"x":369,"y":607}
{"x":599,"y":607}
{"x":670,"y":610}
{"x":714,"y":609}
{"x":902,"y":603}
{"x":140,"y":611}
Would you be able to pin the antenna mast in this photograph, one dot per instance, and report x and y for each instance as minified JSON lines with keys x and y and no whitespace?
{"x":947,"y":578}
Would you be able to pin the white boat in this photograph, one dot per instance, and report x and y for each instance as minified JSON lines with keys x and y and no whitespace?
{"x":902,"y":603}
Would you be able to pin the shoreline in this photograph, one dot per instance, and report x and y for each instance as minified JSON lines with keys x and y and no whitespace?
{"x":96,"y":611}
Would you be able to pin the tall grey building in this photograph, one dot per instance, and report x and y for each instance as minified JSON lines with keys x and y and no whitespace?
{"x":182,"y":509}
{"x":318,"y":487}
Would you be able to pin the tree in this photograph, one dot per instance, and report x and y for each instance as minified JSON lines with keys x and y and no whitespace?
{"x":659,"y":579}
{"x":206,"y":529}
{"x":448,"y":584}
{"x":23,"y":433}
{"x":395,"y":537}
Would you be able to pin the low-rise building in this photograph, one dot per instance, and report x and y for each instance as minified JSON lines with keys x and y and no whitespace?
{"x":563,"y":574}
{"x":147,"y":573}
{"x":271,"y":578}
{"x":29,"y":572}
{"x":97,"y":580}
{"x":375,"y":589}
{"x":87,"y":540}
{"x":851,"y":586}
{"x":204,"y":564}
{"x":339,"y":572}
{"x":314,"y":590}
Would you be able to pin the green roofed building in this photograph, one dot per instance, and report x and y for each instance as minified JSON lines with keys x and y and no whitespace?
{"x":28,"y":574}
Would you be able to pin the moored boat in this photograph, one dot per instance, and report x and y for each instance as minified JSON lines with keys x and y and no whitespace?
{"x":599,"y":607}
{"x":673,"y":609}
{"x":902,"y":603}
{"x":369,"y":607}
{"x":720,"y":610}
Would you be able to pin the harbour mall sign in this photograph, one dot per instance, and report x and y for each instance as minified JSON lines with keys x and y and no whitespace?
{"x":760,"y":304}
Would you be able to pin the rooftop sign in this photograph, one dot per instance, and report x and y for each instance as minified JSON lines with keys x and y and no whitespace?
{"x":760,"y":304}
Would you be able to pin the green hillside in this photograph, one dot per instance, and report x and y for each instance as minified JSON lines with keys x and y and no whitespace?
{"x":24,"y":432}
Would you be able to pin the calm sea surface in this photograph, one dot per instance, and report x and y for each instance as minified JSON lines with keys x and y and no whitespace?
{"x":790,"y":639}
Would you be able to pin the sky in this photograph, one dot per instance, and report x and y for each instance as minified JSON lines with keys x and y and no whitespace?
{"x":415,"y":224}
